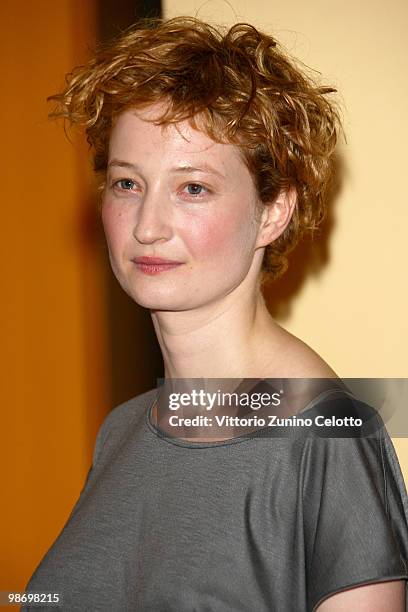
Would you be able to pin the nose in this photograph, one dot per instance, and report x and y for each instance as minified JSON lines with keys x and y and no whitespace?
{"x":153,"y":220}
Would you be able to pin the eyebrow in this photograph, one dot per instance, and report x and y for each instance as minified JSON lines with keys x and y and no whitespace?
{"x":207,"y":168}
{"x":204,"y":168}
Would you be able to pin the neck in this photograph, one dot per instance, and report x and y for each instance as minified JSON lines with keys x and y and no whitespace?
{"x":219,"y":340}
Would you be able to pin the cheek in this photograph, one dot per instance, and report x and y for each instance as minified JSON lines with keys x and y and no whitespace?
{"x":220,"y":235}
{"x":114,"y":225}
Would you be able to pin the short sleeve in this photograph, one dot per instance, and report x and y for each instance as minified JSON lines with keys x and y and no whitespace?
{"x":100,"y":441}
{"x":355,"y":518}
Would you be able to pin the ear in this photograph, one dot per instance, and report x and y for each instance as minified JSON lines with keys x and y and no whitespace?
{"x":276,"y":216}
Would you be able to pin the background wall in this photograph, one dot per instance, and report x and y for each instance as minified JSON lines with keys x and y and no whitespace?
{"x":73,"y":345}
{"x":352,"y":305}
{"x":354,"y":311}
{"x":56,"y":386}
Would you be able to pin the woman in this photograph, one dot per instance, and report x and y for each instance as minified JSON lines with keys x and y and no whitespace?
{"x":215,"y":153}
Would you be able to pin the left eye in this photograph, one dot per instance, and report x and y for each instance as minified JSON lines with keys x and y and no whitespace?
{"x":195,"y":189}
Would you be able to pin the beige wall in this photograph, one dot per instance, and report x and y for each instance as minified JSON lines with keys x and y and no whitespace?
{"x":354,"y":312}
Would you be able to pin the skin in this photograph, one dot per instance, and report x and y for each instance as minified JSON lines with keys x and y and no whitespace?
{"x":209,"y":314}
{"x":379,"y":597}
{"x":220,"y":241}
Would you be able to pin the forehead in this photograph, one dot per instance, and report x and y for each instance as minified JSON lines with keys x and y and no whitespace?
{"x":135,"y":135}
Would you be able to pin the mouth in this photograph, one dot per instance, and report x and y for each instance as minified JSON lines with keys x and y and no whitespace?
{"x":155,"y":265}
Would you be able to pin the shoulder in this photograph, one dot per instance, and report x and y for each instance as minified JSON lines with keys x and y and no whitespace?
{"x":296,"y":358}
{"x":311,"y":365}
{"x":121,"y":418}
{"x":306,"y":362}
{"x":133,"y":408}
{"x":354,"y":516}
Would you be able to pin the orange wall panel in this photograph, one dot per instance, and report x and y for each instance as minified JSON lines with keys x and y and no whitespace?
{"x":54,"y":358}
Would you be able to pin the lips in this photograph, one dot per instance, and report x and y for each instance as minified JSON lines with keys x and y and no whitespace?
{"x":155,"y":265}
{"x":154,"y":261}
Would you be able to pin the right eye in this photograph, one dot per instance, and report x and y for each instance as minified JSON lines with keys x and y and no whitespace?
{"x":125,"y":184}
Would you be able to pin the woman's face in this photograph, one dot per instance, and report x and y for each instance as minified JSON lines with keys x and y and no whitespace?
{"x":173,"y":193}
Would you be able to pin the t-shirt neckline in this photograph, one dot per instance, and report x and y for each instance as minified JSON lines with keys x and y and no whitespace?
{"x":160,"y":433}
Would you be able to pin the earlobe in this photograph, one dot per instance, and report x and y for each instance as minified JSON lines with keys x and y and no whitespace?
{"x":276,"y":216}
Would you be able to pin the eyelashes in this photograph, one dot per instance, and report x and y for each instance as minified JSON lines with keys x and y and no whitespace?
{"x":196,"y":189}
{"x":124,"y":184}
{"x":191,"y":190}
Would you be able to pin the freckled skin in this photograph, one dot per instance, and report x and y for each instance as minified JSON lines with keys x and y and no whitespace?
{"x":215,"y":235}
{"x":172,"y":192}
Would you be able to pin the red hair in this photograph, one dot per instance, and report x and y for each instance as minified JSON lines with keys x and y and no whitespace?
{"x":235,"y":84}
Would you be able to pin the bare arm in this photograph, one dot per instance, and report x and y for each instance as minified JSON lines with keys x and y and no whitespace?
{"x":378,"y":597}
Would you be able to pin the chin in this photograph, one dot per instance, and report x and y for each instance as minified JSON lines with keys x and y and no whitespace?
{"x":176,"y":295}
{"x":160,"y":298}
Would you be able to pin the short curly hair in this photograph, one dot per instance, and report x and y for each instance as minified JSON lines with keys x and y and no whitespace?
{"x":238,"y":86}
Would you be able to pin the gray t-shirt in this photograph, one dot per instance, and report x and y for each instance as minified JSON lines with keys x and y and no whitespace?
{"x":253,"y":523}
